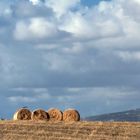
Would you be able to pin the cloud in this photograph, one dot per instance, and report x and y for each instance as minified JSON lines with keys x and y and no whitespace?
{"x":85,"y":25}
{"x":63,"y":7}
{"x":35,"y":2}
{"x":36,"y":95}
{"x":129,"y":56}
{"x":107,"y":20}
{"x":72,"y":47}
{"x":35,"y":28}
{"x":75,"y":45}
{"x":19,"y":99}
{"x":79,"y":98}
{"x":23,"y":99}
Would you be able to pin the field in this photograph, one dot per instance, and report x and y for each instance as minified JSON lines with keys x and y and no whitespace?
{"x":29,"y":130}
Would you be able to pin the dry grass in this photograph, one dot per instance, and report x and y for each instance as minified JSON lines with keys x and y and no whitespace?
{"x":31,"y":130}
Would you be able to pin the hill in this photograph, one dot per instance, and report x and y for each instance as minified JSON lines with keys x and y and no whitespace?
{"x":130,"y":115}
{"x":29,"y":130}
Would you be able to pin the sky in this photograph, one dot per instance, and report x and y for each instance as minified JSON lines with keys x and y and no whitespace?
{"x":80,"y":54}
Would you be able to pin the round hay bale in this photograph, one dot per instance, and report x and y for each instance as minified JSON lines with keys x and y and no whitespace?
{"x":55,"y":114}
{"x":71,"y":115}
{"x":40,"y":114}
{"x":22,"y":114}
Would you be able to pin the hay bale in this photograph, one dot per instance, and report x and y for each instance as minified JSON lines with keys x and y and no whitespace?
{"x":71,"y":115}
{"x":40,"y":114}
{"x":22,"y":114}
{"x":55,"y":114}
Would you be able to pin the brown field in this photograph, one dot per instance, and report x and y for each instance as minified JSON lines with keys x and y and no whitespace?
{"x":29,"y":130}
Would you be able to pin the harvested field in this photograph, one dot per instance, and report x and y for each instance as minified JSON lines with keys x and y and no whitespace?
{"x":31,"y":130}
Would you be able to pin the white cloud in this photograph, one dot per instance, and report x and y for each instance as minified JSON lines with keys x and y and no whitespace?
{"x":27,"y":99}
{"x":137,"y":1}
{"x":74,"y":90}
{"x":79,"y":26}
{"x":21,"y":99}
{"x":19,"y":89}
{"x":40,"y":90}
{"x":35,"y":2}
{"x":35,"y":28}
{"x":61,"y":7}
{"x":111,"y":20}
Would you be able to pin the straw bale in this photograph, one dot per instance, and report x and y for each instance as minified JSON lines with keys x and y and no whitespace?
{"x":55,"y":114}
{"x":39,"y":114}
{"x":71,"y":115}
{"x":22,"y":114}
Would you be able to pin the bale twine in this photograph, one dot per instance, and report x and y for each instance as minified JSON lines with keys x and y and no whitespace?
{"x":39,"y":114}
{"x":55,"y":114}
{"x":22,"y":114}
{"x":71,"y":115}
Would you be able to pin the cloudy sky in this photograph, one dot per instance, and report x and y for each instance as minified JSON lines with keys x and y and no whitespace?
{"x":82,"y":54}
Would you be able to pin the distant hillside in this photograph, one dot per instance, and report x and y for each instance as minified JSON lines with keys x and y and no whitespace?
{"x":130,"y":115}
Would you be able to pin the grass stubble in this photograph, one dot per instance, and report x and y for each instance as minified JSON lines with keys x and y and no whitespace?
{"x":83,"y":130}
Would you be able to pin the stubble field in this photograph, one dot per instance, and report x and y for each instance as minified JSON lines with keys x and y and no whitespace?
{"x":29,"y":130}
